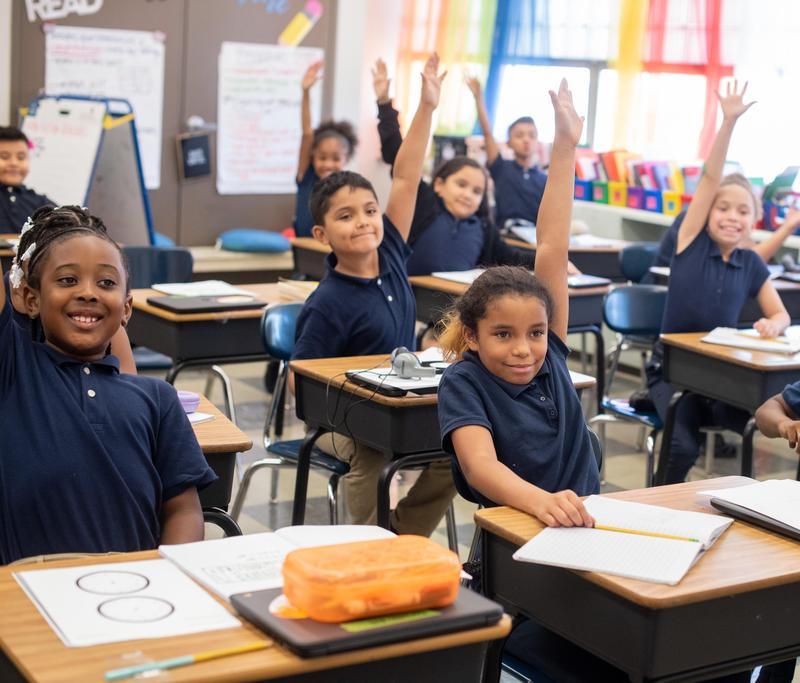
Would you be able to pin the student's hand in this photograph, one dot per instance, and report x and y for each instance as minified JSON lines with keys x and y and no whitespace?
{"x":312,"y":75}
{"x":569,"y":125}
{"x":790,"y":430}
{"x":431,"y":82}
{"x":474,"y":86}
{"x":732,"y":102}
{"x":563,"y":508}
{"x":380,"y":81}
{"x":767,"y":328}
{"x":792,"y":218}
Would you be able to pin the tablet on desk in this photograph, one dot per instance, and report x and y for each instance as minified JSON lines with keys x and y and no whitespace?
{"x":757,"y":518}
{"x":205,"y":304}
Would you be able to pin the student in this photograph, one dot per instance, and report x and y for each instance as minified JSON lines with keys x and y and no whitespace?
{"x":451,"y":229}
{"x":323,"y":151}
{"x":364,"y":305}
{"x":17,"y":202}
{"x":93,"y":460}
{"x":779,"y":416}
{"x":508,"y":410}
{"x":518,"y":182}
{"x":712,"y":277}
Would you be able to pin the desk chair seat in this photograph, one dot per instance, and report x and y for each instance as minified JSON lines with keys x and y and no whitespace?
{"x":635,"y":260}
{"x":147,"y":359}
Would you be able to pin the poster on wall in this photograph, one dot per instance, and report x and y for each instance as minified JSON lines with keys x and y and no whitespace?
{"x":113,"y":63}
{"x":258,"y":110}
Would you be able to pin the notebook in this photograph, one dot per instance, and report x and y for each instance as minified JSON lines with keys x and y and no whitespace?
{"x":636,"y":556}
{"x":750,"y":339}
{"x":308,"y":638}
{"x":772,"y":504}
{"x":202,"y":288}
{"x":205,"y":304}
{"x":465,"y":277}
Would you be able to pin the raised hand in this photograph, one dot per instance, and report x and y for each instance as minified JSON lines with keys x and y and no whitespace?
{"x":732,"y":102}
{"x":431,"y":82}
{"x":474,"y":86}
{"x":568,"y":124}
{"x":312,"y":75}
{"x":380,"y":81}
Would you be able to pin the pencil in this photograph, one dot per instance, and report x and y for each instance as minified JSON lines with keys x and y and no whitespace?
{"x":777,"y":340}
{"x":603,"y":527}
{"x":129,"y":671}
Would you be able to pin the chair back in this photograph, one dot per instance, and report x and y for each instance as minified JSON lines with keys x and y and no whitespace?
{"x":635,"y":309}
{"x":150,"y":265}
{"x":278,"y":326}
{"x":635,"y":260}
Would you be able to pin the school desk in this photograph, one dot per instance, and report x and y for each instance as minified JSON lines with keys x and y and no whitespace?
{"x":237,"y":267}
{"x":737,"y":607}
{"x":309,"y":257}
{"x":435,"y":295}
{"x":406,"y":428}
{"x":6,"y":254}
{"x":32,"y":652}
{"x":738,"y":377}
{"x":602,"y":261}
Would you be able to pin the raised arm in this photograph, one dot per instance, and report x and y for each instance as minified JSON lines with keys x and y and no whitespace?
{"x":492,"y":150}
{"x":311,"y":76}
{"x":733,"y":106}
{"x":410,"y":156}
{"x":555,"y":212}
{"x":388,"y":121}
{"x":769,"y":247}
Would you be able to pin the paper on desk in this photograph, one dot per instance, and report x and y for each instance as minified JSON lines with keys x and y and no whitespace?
{"x":196,"y":418}
{"x":113,"y":602}
{"x":586,"y":240}
{"x":776,"y":498}
{"x":203,"y":288}
{"x":465,"y":277}
{"x":750,"y":339}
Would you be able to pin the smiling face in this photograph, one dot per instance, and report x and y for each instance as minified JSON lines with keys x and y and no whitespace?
{"x":522,"y":140}
{"x":330,"y":155}
{"x":511,"y":339}
{"x":14,"y":162}
{"x":732,"y":216}
{"x":353,"y":222}
{"x":81,"y":299}
{"x":462,"y":191}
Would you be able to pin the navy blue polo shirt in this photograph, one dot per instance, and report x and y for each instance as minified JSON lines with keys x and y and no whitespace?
{"x":538,"y":429}
{"x":355,"y":316}
{"x":447,"y":244}
{"x":303,"y":222}
{"x":89,"y":455}
{"x":517,"y":191}
{"x":791,"y":394}
{"x":706,"y":292}
{"x":669,"y":242}
{"x":17,"y":202}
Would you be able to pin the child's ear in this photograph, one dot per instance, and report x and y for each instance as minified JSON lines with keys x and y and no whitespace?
{"x":437,"y":185}
{"x":319,"y":234}
{"x":30,"y":298}
{"x":472,"y":339}
{"x":128,"y":310}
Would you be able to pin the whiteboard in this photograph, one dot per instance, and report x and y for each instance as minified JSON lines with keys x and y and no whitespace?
{"x":258,"y":110}
{"x":65,"y":134}
{"x":113,"y":63}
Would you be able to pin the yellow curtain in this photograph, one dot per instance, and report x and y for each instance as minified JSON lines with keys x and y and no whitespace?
{"x":632,"y":22}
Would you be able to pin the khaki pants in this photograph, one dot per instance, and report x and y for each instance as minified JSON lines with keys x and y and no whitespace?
{"x":421,"y":509}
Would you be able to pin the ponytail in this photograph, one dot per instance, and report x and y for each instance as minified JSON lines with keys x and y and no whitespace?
{"x":453,"y":338}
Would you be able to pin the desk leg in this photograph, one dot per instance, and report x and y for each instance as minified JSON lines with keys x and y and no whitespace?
{"x":747,"y":447}
{"x":301,"y":479}
{"x":666,"y":437}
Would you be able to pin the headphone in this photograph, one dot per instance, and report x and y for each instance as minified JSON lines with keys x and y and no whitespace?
{"x":407,"y":366}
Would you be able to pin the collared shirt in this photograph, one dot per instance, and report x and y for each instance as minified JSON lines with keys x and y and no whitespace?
{"x":303,"y":222}
{"x":355,"y":316}
{"x":791,"y":394}
{"x":447,"y":244}
{"x":88,"y":456}
{"x":707,"y":292}
{"x":517,"y":191}
{"x":538,"y":429}
{"x":17,"y":202}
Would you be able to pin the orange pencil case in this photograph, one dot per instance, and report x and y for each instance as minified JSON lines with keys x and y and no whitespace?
{"x":336,"y":583}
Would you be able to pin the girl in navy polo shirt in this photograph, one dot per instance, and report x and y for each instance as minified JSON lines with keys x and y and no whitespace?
{"x":92,"y":460}
{"x":712,"y":276}
{"x":323,"y":150}
{"x":508,"y":410}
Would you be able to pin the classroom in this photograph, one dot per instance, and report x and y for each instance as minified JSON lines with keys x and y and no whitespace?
{"x":431,"y":340}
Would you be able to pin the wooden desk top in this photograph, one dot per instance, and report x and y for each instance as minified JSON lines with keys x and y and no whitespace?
{"x":331,"y":370}
{"x":756,"y":360}
{"x":453,"y":288}
{"x":744,"y":558}
{"x":219,"y":435}
{"x":310,"y":244}
{"x":213,"y":260}
{"x":37,"y":651}
{"x":8,"y":236}
{"x":614,"y":247}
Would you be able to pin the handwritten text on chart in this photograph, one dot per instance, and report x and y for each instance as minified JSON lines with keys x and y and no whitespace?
{"x":48,"y":10}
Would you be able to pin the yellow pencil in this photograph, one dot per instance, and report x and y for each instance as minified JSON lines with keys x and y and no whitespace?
{"x":777,"y":340}
{"x":603,"y":527}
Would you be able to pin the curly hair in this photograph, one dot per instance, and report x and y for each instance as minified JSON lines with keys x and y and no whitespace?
{"x":341,"y":130}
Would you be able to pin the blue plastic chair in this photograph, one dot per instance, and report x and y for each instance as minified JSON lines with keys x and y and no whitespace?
{"x":633,"y":312}
{"x":635,"y":260}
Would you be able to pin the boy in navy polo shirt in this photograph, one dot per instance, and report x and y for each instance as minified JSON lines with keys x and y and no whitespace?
{"x":364,"y":305}
{"x":518,"y":183}
{"x":17,"y":202}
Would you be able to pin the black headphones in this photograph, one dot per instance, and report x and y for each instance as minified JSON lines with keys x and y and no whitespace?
{"x":407,"y":366}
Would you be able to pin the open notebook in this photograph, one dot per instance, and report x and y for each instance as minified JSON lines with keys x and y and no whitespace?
{"x":788,"y":343}
{"x":648,"y":558}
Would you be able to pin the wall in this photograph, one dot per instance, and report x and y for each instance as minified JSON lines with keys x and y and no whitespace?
{"x":5,"y":62}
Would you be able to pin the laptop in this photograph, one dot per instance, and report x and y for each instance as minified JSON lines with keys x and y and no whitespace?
{"x":384,"y":381}
{"x":309,"y":638}
{"x":582,"y":281}
{"x":748,"y":515}
{"x":205,"y":304}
